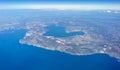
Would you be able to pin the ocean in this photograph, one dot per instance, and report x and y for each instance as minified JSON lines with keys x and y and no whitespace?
{"x":16,"y":56}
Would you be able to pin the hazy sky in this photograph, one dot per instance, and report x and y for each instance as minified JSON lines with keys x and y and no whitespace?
{"x":59,"y":0}
{"x":60,"y":4}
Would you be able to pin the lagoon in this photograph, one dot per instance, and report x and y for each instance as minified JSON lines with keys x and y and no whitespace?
{"x":58,"y":31}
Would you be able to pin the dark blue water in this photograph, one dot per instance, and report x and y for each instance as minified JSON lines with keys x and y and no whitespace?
{"x":14,"y":56}
{"x":58,"y":31}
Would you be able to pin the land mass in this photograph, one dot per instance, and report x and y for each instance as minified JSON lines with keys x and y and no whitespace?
{"x":95,"y":31}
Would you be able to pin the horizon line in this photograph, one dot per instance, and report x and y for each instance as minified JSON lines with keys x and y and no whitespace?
{"x":61,"y":6}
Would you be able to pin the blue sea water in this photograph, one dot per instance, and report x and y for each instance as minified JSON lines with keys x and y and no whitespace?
{"x":15,"y":56}
{"x":58,"y":31}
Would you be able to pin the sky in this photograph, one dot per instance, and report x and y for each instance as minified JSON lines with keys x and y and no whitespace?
{"x":62,"y":1}
{"x":60,"y":4}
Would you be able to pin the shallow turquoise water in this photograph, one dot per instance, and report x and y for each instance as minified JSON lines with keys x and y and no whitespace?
{"x":15,"y":56}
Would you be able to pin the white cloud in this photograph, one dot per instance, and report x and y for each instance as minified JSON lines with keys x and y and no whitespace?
{"x":108,"y":11}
